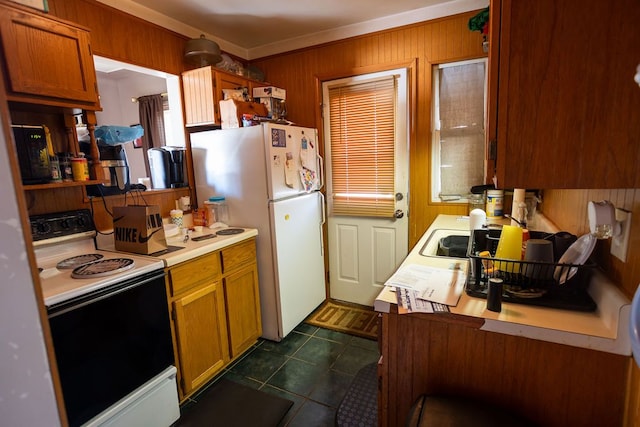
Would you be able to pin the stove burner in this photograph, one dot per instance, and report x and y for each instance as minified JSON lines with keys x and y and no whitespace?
{"x":229,"y":231}
{"x":76,"y":261}
{"x":104,"y":267}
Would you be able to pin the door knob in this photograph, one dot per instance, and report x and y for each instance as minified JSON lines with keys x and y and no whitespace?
{"x":399,"y":196}
{"x":398,"y":214}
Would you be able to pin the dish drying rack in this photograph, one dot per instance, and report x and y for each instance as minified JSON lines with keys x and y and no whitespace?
{"x":545,"y":284}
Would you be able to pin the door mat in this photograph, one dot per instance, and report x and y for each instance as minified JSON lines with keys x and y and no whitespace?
{"x":348,"y":318}
{"x":229,"y":404}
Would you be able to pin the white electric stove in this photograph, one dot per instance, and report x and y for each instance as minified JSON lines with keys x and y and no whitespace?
{"x":109,"y":321}
{"x":70,"y":264}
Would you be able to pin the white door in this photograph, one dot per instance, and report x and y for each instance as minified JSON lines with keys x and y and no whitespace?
{"x":365,"y":251}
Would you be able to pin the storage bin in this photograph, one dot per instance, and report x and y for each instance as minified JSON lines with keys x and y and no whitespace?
{"x":216,"y":210}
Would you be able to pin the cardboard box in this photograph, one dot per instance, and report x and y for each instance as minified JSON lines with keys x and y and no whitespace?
{"x":275,"y":107}
{"x":269,"y":92}
{"x":138,"y":229}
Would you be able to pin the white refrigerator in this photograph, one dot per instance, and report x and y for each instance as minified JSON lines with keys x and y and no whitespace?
{"x":271,"y":175}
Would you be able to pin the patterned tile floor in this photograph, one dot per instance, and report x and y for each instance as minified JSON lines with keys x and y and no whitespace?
{"x":312,"y":366}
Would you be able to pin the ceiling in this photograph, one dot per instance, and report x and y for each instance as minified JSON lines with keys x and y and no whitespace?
{"x":255,"y":28}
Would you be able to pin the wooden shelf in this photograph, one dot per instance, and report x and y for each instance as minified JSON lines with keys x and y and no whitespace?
{"x":49,"y":186}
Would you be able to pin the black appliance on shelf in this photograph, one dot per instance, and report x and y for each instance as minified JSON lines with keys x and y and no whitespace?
{"x":33,"y":156}
{"x":115,"y":168}
{"x":167,"y":167}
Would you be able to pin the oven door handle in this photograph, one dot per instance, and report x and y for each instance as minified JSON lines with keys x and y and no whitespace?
{"x":101,"y":294}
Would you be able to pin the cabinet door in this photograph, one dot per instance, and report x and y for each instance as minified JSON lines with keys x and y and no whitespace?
{"x":202,"y":89}
{"x":199,"y":99}
{"x":201,"y":335}
{"x":47,"y":61}
{"x":567,"y":110}
{"x":243,"y":308}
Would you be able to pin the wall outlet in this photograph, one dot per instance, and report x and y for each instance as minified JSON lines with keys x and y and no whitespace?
{"x":620,"y":243}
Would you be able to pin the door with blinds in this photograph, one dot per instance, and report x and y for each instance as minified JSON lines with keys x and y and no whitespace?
{"x":366,"y":136}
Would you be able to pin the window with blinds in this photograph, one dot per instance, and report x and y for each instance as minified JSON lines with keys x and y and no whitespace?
{"x":362,"y":139}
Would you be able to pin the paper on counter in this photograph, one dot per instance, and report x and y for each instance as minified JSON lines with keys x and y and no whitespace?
{"x":408,"y":302}
{"x":433,"y":284}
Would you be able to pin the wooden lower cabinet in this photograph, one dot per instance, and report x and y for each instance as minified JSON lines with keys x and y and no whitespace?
{"x":242,"y":294}
{"x":201,"y":335}
{"x":549,"y":384}
{"x":243,"y":309}
{"x":215,"y":312}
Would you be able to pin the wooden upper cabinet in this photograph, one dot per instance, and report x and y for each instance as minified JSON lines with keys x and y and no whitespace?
{"x":48,"y":61}
{"x":563,"y":104}
{"x":203,"y":91}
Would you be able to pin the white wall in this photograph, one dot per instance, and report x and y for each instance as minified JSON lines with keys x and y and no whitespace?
{"x":26,"y":388}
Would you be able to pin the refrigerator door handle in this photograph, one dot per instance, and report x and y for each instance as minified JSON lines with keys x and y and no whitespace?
{"x":321,"y":162}
{"x":323,"y":208}
{"x":324,"y":220}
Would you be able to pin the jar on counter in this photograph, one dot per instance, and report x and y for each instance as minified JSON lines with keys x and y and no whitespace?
{"x":216,"y":210}
{"x":476,"y":201}
{"x":80,"y":168}
{"x":495,"y":203}
{"x":56,"y":174}
{"x":65,"y":167}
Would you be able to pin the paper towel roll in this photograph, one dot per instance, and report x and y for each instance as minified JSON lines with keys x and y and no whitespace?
{"x":516,"y":211}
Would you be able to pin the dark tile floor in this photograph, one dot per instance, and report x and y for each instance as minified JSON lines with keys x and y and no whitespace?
{"x":313,"y":367}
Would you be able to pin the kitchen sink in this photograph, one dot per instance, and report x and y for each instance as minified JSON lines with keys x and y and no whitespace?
{"x":447,"y":243}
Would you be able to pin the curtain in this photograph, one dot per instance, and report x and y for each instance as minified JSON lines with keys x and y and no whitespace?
{"x":151,"y":111}
{"x":362,"y":141}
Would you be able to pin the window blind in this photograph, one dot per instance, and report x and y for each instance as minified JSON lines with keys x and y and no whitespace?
{"x":362,"y":128}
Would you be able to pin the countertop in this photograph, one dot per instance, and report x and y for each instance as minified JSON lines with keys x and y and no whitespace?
{"x":189,"y":249}
{"x":605,"y":329}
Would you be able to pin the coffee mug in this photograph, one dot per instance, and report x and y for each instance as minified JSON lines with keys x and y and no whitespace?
{"x":561,"y":242}
{"x":537,"y":255}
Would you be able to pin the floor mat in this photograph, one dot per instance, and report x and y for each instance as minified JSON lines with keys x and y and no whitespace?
{"x":229,"y":404}
{"x":347,"y":318}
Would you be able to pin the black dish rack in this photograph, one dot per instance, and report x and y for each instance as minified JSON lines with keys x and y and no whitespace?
{"x":527,"y":282}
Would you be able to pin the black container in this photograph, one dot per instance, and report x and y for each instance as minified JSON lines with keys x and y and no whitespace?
{"x":167,"y":166}
{"x":494,"y":295}
{"x":33,"y":156}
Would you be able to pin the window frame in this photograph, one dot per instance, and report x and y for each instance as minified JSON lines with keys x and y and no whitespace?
{"x":435,"y":185}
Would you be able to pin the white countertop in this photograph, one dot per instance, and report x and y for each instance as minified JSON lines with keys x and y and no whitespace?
{"x":190,"y":249}
{"x":606,"y":329}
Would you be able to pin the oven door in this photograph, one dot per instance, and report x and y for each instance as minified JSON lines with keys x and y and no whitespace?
{"x":110,"y":343}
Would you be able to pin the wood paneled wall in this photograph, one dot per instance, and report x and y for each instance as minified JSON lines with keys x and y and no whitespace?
{"x":568,"y":210}
{"x":420,"y":46}
{"x":123,"y":37}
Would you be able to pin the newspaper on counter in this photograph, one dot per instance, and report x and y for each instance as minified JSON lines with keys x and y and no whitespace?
{"x":427,"y":289}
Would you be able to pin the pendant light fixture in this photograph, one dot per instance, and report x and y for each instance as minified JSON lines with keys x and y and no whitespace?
{"x":202,"y":52}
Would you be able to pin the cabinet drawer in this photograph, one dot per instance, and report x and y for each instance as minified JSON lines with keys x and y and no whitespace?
{"x":238,"y":255}
{"x":192,"y":273}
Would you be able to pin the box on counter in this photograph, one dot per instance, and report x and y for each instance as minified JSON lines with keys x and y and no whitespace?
{"x":138,"y":229}
{"x":269,"y":92}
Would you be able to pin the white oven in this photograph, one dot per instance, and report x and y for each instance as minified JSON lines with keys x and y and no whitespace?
{"x":109,"y":322}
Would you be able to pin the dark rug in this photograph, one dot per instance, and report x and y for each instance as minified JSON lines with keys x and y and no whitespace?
{"x":229,"y":404}
{"x":348,"y":318}
{"x":359,"y":407}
